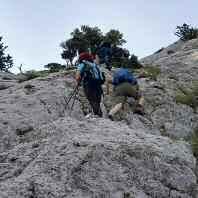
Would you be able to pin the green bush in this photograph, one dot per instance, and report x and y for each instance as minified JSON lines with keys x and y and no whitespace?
{"x":54,"y":67}
{"x":188,"y":97}
{"x":186,"y":32}
{"x":151,"y":72}
{"x":132,"y":62}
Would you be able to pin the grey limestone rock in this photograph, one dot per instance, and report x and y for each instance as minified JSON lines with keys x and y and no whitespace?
{"x":47,"y":150}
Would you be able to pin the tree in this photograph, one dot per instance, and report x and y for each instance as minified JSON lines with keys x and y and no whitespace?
{"x":88,"y":38}
{"x":186,"y":32}
{"x":6,"y":61}
{"x":114,"y":37}
{"x":120,"y":56}
{"x":134,"y":62}
{"x":69,"y":50}
{"x":92,"y":37}
{"x":68,"y":56}
{"x":85,"y":38}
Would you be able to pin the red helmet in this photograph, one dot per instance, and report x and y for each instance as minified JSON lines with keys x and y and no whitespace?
{"x":85,"y":56}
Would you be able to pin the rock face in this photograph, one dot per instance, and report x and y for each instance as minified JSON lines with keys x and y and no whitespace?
{"x":179,"y":71}
{"x":29,"y":105}
{"x":97,"y":158}
{"x":7,"y":80}
{"x":47,"y":150}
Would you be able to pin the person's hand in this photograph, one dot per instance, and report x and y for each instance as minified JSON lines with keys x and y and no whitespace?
{"x":78,"y":78}
{"x":78,"y":83}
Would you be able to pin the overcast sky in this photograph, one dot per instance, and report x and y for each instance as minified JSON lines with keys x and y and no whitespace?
{"x":33,"y":29}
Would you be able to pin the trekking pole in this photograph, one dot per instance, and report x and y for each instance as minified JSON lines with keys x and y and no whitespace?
{"x":67,"y":100}
{"x":74,"y":98}
{"x":70,"y":97}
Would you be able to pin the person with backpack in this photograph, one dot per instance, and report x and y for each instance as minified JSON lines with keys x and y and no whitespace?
{"x":92,"y":78}
{"x":125,"y":85}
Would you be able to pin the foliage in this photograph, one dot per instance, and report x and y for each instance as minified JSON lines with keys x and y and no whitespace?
{"x":127,"y":62}
{"x":188,"y":97}
{"x":91,"y":39}
{"x":134,"y":63}
{"x":151,"y":72}
{"x":120,"y":52}
{"x":114,"y":37}
{"x":186,"y":32}
{"x":69,"y":49}
{"x":6,"y":61}
{"x":86,"y":39}
{"x":119,"y":57}
{"x":92,"y":36}
{"x":54,"y":67}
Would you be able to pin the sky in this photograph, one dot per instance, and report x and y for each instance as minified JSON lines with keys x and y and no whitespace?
{"x":34,"y":29}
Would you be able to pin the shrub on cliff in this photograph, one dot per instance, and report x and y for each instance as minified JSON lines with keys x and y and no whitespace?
{"x":186,"y":32}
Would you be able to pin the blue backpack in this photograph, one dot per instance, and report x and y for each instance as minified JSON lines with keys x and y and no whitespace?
{"x":93,"y":74}
{"x":123,"y":75}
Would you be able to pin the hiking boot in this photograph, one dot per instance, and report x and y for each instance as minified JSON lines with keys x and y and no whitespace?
{"x":139,"y":110}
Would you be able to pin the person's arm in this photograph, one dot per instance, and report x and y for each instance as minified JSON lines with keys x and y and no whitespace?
{"x":78,"y":77}
{"x":79,"y":73}
{"x":97,"y":59}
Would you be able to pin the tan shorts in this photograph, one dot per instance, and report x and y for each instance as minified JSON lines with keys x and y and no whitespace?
{"x":125,"y":90}
{"x":120,"y":94}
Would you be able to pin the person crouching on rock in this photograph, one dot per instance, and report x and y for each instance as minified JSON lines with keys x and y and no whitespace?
{"x":92,"y":79}
{"x":125,"y":85}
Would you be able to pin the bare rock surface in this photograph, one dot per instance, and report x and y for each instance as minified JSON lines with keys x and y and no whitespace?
{"x":97,"y":157}
{"x":7,"y":76}
{"x":31,"y":104}
{"x":179,"y":71}
{"x":7,"y":80}
{"x":47,"y":150}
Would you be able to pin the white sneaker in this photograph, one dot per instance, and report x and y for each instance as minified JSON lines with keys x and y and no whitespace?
{"x":88,"y":115}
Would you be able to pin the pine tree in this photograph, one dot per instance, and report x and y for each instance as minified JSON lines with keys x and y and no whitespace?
{"x":6,"y":61}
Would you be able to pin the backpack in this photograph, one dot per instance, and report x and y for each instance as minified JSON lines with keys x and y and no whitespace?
{"x":92,"y":74}
{"x":123,"y":75}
